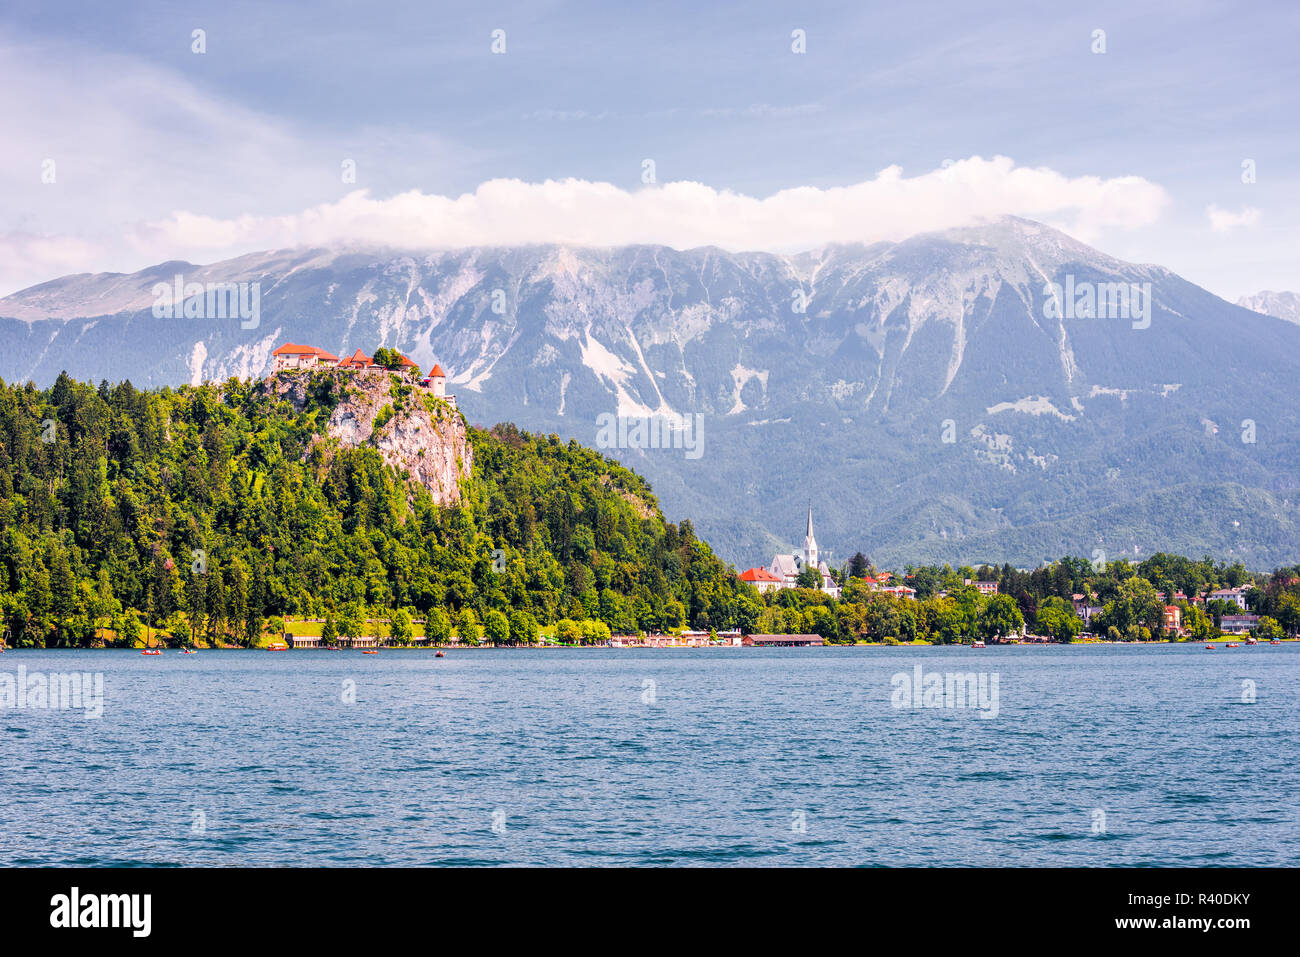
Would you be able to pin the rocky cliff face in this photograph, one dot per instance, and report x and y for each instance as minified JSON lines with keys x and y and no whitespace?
{"x":414,"y":432}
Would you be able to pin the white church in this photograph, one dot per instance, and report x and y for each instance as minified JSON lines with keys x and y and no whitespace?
{"x":788,"y":567}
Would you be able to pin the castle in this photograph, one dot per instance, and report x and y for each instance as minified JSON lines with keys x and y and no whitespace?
{"x":294,"y":356}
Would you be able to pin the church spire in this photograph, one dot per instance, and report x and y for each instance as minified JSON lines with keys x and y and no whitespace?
{"x":809,"y":542}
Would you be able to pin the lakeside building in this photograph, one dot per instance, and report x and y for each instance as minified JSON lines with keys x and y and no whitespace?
{"x":985,"y":588}
{"x":783,"y":641}
{"x":1173,"y":619}
{"x":1238,"y":624}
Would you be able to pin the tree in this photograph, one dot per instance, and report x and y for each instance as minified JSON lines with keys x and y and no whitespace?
{"x":468,"y":628}
{"x":568,"y":632}
{"x":523,"y":627}
{"x":858,"y":565}
{"x":437,"y":626}
{"x":1267,"y":629}
{"x":329,"y":633}
{"x":496,"y":628}
{"x":130,"y":632}
{"x":1056,"y":618}
{"x":809,"y":577}
{"x":999,"y":618}
{"x":399,"y":627}
{"x":594,"y":632}
{"x":352,"y":620}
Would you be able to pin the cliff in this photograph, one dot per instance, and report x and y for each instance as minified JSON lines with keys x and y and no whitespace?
{"x":413,"y":431}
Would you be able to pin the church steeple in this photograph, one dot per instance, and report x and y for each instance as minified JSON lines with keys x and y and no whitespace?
{"x":809,"y":542}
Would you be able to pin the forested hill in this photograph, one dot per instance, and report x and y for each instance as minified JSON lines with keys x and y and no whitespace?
{"x":210,"y":510}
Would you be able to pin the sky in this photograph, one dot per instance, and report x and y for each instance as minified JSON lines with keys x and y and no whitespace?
{"x":689,"y":124}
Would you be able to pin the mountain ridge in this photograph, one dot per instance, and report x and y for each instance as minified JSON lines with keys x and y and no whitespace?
{"x":921,"y":392}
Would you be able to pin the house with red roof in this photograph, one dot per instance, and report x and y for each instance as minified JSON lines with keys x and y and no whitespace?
{"x":762,"y":579}
{"x":293,"y":356}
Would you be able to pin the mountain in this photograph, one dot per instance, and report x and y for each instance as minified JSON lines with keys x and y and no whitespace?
{"x":935,"y":399}
{"x":1280,"y":305}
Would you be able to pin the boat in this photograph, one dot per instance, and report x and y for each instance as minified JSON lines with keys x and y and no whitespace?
{"x":152,"y":651}
{"x":1209,"y":647}
{"x":277,"y":646}
{"x":370,"y":651}
{"x":1275,"y":641}
{"x":978,"y":643}
{"x":439,"y":655}
{"x":1251,"y":640}
{"x":188,"y":651}
{"x":1233,"y":644}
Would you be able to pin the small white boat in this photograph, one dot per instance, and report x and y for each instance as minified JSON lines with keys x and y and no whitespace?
{"x":978,"y":643}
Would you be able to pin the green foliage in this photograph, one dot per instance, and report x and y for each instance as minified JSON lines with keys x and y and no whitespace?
{"x":496,"y":627}
{"x":809,"y":577}
{"x":1056,"y":617}
{"x":399,"y":627}
{"x":468,"y":628}
{"x":437,"y":626}
{"x":523,"y":628}
{"x":220,"y":506}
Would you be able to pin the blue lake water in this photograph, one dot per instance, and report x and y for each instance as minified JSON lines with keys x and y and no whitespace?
{"x":1101,"y":755}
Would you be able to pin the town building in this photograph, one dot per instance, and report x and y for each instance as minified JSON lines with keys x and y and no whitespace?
{"x":1173,"y":619}
{"x":762,"y":579}
{"x":1085,"y":607}
{"x":1235,"y":595}
{"x":985,"y":588}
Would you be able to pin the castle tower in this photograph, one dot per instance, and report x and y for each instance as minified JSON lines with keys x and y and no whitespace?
{"x":438,"y":381}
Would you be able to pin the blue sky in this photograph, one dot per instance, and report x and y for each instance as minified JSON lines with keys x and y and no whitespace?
{"x":164,"y":153}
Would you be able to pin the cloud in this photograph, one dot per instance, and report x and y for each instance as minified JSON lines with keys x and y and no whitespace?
{"x":889,"y":206}
{"x":1223,"y":220}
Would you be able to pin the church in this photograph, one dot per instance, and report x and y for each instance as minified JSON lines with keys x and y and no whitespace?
{"x":788,"y":567}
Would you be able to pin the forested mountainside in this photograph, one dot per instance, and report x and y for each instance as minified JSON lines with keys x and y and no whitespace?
{"x":207,"y":511}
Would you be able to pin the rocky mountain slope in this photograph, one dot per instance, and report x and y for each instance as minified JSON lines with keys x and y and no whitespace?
{"x":413,"y":431}
{"x":935,"y":399}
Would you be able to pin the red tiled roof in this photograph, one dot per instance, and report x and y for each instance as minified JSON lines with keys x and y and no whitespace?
{"x":437,"y":370}
{"x":357,"y":360}
{"x":293,"y":349}
{"x":758,"y":575}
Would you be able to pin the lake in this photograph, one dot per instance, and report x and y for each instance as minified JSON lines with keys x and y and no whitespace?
{"x":1084,"y":755}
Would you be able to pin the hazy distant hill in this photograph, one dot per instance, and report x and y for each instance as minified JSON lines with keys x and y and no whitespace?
{"x":1067,"y":434}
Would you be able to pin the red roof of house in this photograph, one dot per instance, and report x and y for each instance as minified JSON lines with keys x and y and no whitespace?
{"x":437,"y":370}
{"x":758,"y":575}
{"x":358,"y":360}
{"x":293,"y":349}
